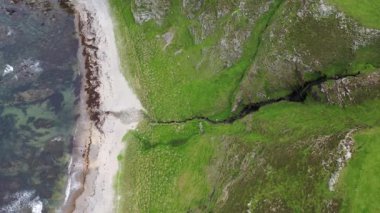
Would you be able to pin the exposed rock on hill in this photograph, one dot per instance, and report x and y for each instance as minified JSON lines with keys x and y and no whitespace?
{"x":349,"y":90}
{"x":309,"y":40}
{"x":145,"y":10}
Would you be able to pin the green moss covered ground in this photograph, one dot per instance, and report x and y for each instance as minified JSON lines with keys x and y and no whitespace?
{"x":276,"y":153}
{"x":184,"y":79}
{"x":279,"y":158}
{"x":366,"y":11}
{"x":360,"y":186}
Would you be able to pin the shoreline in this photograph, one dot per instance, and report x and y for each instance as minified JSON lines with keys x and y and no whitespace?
{"x":105,"y":96}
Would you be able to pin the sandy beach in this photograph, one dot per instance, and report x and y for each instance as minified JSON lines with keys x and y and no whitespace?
{"x":108,"y":109}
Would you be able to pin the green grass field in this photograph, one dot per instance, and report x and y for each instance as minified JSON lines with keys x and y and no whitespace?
{"x":171,"y":168}
{"x":360,"y":186}
{"x":280,"y":157}
{"x":366,"y":12}
{"x":187,"y":78}
{"x":173,"y":86}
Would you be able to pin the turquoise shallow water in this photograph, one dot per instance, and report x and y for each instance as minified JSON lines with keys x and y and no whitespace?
{"x":38,"y":93}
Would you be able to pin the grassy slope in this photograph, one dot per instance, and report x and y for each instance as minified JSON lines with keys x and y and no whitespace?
{"x":272,"y":75}
{"x":366,"y":12}
{"x":169,"y":168}
{"x":360,"y":188}
{"x":174,"y":168}
{"x":174,"y":87}
{"x":171,"y":87}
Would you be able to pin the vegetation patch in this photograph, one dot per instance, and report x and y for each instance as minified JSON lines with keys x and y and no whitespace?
{"x":366,"y":11}
{"x":282,"y":156}
{"x":360,"y":186}
{"x":192,"y":62}
{"x":190,"y":77}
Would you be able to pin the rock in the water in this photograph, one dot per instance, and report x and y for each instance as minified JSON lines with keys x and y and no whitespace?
{"x":33,"y":95}
{"x":23,"y":73}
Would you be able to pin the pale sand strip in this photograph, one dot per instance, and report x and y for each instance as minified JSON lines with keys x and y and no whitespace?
{"x":92,"y":173}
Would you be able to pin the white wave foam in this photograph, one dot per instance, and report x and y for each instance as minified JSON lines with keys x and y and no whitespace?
{"x":10,"y":32}
{"x":8,"y":69}
{"x":36,"y":67}
{"x":21,"y":201}
{"x":37,"y":205}
{"x":68,"y":187}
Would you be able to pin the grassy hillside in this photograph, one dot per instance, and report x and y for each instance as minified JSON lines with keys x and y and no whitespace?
{"x":360,"y":188}
{"x":192,"y":62}
{"x":271,"y":159}
{"x":214,"y":59}
{"x":366,"y":12}
{"x":188,"y":76}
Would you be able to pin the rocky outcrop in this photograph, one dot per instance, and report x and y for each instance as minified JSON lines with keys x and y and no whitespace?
{"x":345,"y":149}
{"x":146,"y":10}
{"x":298,"y":48}
{"x":253,"y":171}
{"x":227,"y":24}
{"x":234,"y":21}
{"x":348,"y":90}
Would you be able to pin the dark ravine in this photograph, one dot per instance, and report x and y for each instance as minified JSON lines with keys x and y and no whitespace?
{"x":298,"y":95}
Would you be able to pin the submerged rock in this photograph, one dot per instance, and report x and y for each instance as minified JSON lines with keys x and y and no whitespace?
{"x":43,"y":5}
{"x":6,"y":35}
{"x":43,"y":123}
{"x":23,"y":202}
{"x":27,"y":71}
{"x":32,"y":95}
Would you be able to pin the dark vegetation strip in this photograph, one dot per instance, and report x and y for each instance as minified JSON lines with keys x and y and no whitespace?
{"x":92,"y":72}
{"x":298,"y":95}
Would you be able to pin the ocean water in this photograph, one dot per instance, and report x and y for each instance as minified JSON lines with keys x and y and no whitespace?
{"x":39,"y":88}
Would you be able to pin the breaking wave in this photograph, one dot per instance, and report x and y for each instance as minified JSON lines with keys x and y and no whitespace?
{"x":23,"y":201}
